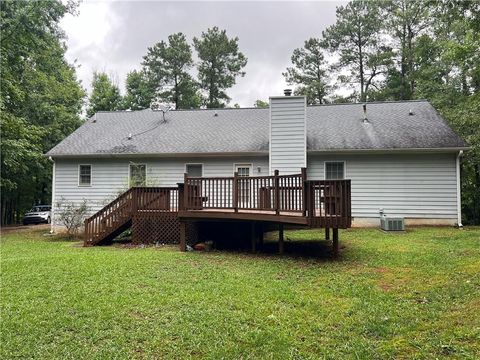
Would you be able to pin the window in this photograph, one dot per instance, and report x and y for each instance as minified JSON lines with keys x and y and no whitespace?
{"x":194,"y":170}
{"x":138,"y":174}
{"x":85,"y":175}
{"x":334,"y":170}
{"x":243,"y":170}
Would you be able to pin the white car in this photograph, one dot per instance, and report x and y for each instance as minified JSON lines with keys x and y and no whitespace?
{"x":38,"y":214}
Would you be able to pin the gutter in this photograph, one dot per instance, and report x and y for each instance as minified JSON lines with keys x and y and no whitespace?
{"x":459,"y":194}
{"x":389,"y":151}
{"x":252,"y":153}
{"x":159,"y":155}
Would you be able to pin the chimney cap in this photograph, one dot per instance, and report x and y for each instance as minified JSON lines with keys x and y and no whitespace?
{"x":287,"y":92}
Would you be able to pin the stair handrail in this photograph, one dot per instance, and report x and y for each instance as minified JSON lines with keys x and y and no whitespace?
{"x":110,"y":204}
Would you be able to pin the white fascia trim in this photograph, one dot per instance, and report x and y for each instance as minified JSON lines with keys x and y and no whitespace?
{"x":160,"y":155}
{"x":388,"y":151}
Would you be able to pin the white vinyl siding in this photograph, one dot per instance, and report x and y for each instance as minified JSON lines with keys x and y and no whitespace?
{"x":406,"y":185}
{"x":112,"y":175}
{"x":287,"y":134}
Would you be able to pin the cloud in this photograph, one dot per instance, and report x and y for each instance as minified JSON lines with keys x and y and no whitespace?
{"x":113,"y":36}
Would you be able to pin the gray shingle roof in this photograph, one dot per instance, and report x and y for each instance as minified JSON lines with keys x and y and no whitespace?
{"x":329,"y":127}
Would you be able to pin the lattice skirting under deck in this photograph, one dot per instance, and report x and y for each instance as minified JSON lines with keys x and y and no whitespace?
{"x":160,"y":227}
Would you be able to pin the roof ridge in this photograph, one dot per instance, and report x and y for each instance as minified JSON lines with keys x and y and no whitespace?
{"x":256,"y":108}
{"x":371,"y":102}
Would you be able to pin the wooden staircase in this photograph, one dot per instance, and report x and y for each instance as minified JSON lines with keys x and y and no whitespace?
{"x":117,"y":216}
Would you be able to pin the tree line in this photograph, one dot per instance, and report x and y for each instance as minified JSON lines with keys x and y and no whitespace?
{"x":375,"y":51}
{"x":165,"y":75}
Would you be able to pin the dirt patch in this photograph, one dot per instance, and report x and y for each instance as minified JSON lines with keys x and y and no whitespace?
{"x":22,"y":228}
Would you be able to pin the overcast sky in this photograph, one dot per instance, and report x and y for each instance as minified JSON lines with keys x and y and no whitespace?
{"x":113,"y":36}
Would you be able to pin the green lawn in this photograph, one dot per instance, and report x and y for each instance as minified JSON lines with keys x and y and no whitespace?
{"x":408,"y":295}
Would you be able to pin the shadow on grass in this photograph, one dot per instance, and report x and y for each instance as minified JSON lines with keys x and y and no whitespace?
{"x":307,"y":249}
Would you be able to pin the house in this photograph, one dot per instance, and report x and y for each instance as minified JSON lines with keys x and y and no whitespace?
{"x":401,"y":157}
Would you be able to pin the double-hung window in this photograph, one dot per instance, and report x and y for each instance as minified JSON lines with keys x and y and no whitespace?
{"x":334,"y":170}
{"x":84,"y":175}
{"x":138,"y":174}
{"x":194,"y":170}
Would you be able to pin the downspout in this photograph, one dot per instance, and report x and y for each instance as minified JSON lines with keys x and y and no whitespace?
{"x":459,"y":195}
{"x":52,"y":211}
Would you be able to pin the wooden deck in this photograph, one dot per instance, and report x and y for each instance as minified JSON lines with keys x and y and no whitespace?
{"x":281,"y":199}
{"x":289,"y":199}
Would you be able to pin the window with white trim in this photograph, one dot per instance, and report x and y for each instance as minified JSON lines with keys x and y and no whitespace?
{"x":194,"y":170}
{"x":138,"y":174}
{"x":334,"y":170}
{"x":85,"y":175}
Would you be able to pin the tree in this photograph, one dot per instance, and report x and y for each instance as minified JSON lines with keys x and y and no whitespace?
{"x":40,"y":100}
{"x":105,"y":94}
{"x":261,"y":104}
{"x":167,"y":68}
{"x":465,"y":119}
{"x":309,"y":72}
{"x":220,"y":63}
{"x":406,"y":19}
{"x":139,"y":91}
{"x":356,"y":39}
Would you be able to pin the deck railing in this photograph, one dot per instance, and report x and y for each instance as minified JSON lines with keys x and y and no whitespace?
{"x":277,"y":193}
{"x":324,"y":202}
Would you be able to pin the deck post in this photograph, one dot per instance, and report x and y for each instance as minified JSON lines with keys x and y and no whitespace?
{"x":260,"y":234}
{"x":335,"y":242}
{"x":235,"y":191}
{"x":183,"y":236}
{"x":186,"y":190}
{"x":277,"y":192}
{"x":280,"y":239}
{"x":327,"y":233}
{"x":304,"y":191}
{"x":253,"y":237}
{"x":181,"y":196}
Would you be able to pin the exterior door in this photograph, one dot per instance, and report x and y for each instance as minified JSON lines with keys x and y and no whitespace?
{"x":244,"y":193}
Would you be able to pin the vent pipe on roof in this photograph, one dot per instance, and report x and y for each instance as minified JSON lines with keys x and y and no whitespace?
{"x":365,"y":118}
{"x":287,"y":92}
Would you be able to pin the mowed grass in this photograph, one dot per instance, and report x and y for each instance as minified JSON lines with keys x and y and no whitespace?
{"x":404,"y":295}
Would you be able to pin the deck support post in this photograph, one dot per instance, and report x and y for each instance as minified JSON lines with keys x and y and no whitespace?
{"x":335,"y":242}
{"x":183,"y":236}
{"x":327,"y":233}
{"x":280,"y":239}
{"x":260,"y":235}
{"x":253,"y":237}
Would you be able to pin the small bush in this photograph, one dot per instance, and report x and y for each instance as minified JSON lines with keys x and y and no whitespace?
{"x":72,"y":215}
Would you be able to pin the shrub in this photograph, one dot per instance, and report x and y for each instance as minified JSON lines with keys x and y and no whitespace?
{"x":72,"y":215}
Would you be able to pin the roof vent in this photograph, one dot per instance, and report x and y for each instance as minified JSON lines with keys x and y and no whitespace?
{"x":410,"y":112}
{"x":130,"y":136}
{"x":215,"y":113}
{"x":287,"y":92}
{"x":365,"y":118}
{"x":94,"y":118}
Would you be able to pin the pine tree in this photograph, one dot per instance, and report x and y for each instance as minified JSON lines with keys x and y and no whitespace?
{"x":356,"y":39}
{"x":220,"y":63}
{"x":167,"y":67}
{"x":309,"y":72}
{"x":105,"y":94}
